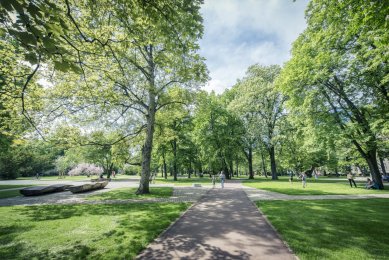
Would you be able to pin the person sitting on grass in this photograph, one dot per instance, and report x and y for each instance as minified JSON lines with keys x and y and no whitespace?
{"x":371,"y":184}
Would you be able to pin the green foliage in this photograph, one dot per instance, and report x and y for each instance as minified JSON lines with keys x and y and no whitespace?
{"x":216,"y":132}
{"x":27,"y":158}
{"x":337,"y":76}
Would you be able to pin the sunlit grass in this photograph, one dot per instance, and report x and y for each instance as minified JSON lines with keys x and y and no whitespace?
{"x":184,"y":181}
{"x":323,"y":186}
{"x":332,"y":229}
{"x":82,"y":231}
{"x":129,"y":193}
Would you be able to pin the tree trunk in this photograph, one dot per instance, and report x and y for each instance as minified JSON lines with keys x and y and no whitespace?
{"x":164,"y":166}
{"x":147,"y":147}
{"x":273,"y":163}
{"x":232,"y":168}
{"x":263,"y":165}
{"x":250,"y":161}
{"x":371,"y":159}
{"x":174,"y":146}
{"x":382,"y":166}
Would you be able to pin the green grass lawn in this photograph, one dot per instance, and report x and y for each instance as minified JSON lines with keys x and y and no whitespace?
{"x":77,"y":178}
{"x":332,"y":229}
{"x":83,"y":231}
{"x":319,"y":187}
{"x":4,"y":187}
{"x":9,"y":193}
{"x":184,"y":181}
{"x":129,"y":193}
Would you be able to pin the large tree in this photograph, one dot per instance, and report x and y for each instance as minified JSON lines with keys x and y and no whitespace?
{"x":260,"y":107}
{"x":339,"y":67}
{"x":125,"y":55}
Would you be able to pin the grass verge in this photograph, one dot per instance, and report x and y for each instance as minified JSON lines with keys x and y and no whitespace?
{"x":83,"y":231}
{"x":9,"y":193}
{"x":332,"y":229}
{"x":4,"y":187}
{"x":184,"y":181}
{"x":129,"y":193}
{"x":319,"y":187}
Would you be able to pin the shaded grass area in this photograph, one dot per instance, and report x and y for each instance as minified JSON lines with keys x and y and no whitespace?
{"x":83,"y":231}
{"x":332,"y":229}
{"x":73,"y":178}
{"x":129,"y":193}
{"x":184,"y":181}
{"x":4,"y":187}
{"x":9,"y":194}
{"x":319,"y":187}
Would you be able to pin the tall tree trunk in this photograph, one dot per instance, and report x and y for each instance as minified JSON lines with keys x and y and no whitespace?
{"x":273,"y":163}
{"x":382,"y":166}
{"x":164,"y":166}
{"x":263,"y":164}
{"x":371,"y":159}
{"x":147,"y":146}
{"x":232,"y":168}
{"x":174,"y":146}
{"x":250,"y":161}
{"x":237,"y":168}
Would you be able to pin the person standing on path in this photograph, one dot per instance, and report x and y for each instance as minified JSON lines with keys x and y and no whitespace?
{"x":350,"y":178}
{"x":304,"y":179}
{"x":222,"y":178}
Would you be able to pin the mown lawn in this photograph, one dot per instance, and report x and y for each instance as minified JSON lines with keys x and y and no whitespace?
{"x":9,"y":193}
{"x":83,"y":231}
{"x":129,"y":193}
{"x":319,"y":187}
{"x":184,"y":181}
{"x":4,"y":187}
{"x":332,"y":229}
{"x":75,"y":178}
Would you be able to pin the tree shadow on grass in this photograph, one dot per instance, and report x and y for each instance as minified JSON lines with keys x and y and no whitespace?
{"x":135,"y":226}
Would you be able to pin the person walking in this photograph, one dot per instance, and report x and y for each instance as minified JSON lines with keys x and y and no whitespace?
{"x":213,"y":180}
{"x":350,"y":178}
{"x":222,"y":178}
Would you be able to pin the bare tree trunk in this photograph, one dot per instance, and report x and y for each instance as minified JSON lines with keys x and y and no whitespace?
{"x":263,"y":164}
{"x":273,"y":163}
{"x":250,"y":160}
{"x":147,"y":147}
{"x":371,"y":158}
{"x":383,"y":166}
{"x":164,"y":166}
{"x":174,"y":146}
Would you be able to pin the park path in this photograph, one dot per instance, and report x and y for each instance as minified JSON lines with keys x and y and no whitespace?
{"x":223,"y":224}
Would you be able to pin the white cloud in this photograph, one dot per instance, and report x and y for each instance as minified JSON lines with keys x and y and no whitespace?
{"x":239,"y":33}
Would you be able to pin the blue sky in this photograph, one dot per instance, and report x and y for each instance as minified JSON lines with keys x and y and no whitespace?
{"x":239,"y":33}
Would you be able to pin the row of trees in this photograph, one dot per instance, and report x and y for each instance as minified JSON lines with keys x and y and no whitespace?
{"x":117,"y":83}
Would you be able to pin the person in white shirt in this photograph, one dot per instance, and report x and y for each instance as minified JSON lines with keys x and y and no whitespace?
{"x":222,"y":178}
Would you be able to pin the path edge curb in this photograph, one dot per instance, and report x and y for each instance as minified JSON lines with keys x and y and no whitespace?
{"x":275,"y":230}
{"x":174,"y":223}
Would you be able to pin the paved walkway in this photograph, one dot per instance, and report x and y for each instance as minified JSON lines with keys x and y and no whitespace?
{"x":224,"y":224}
